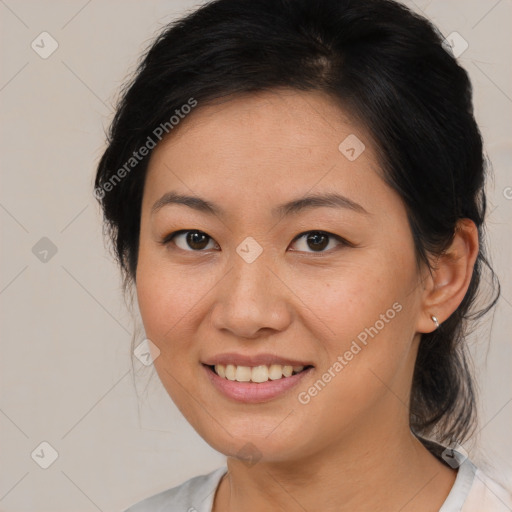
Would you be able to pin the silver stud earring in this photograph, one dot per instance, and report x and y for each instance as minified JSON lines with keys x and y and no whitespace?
{"x":434,"y":319}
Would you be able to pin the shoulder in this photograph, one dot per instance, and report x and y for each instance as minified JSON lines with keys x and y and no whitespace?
{"x":194,"y":495}
{"x":475,"y":491}
{"x":486,"y":494}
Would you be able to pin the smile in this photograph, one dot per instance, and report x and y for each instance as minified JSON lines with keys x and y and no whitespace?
{"x":271,"y":381}
{"x":258,"y":374}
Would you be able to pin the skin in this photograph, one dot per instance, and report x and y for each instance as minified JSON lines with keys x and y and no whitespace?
{"x":247,"y":155}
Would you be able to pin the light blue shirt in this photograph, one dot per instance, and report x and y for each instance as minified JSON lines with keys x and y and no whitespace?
{"x":473,"y":491}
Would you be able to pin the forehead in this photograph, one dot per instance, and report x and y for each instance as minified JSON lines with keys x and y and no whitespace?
{"x":279,"y":118}
{"x":263,"y":145}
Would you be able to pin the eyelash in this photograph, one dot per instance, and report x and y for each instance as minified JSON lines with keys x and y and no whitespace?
{"x":169,"y":238}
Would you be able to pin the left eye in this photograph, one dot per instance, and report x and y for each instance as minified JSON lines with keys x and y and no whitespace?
{"x":197,"y":241}
{"x":319,"y":240}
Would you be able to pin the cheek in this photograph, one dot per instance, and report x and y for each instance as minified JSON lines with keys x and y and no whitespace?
{"x":353,"y":296}
{"x":154,"y":299}
{"x":365,"y":352}
{"x":366,"y":310}
{"x":165,"y":296}
{"x":166,"y":302}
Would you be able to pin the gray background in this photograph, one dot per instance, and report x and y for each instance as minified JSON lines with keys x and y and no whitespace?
{"x":65,"y":369}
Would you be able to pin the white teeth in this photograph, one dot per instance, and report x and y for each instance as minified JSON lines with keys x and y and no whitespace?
{"x":243,"y":374}
{"x":260,"y":373}
{"x":287,"y":371}
{"x":230,"y":372}
{"x":275,"y":371}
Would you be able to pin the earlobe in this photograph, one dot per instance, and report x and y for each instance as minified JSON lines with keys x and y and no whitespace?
{"x":450,"y":277}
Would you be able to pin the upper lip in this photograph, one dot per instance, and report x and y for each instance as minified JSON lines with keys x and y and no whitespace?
{"x":253,"y":360}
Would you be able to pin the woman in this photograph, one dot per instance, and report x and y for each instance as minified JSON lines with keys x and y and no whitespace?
{"x":296,"y":191}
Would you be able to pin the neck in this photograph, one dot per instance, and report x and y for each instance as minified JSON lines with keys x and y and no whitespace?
{"x":391,"y":471}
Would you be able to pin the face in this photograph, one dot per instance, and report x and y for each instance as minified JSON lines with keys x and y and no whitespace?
{"x":332,"y":286}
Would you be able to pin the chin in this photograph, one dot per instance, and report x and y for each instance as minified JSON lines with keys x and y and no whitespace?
{"x":252,"y":447}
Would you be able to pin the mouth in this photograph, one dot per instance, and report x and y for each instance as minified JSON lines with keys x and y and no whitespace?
{"x":256,"y":374}
{"x":256,"y":384}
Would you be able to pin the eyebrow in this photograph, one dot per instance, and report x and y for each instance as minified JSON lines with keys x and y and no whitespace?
{"x":293,"y":207}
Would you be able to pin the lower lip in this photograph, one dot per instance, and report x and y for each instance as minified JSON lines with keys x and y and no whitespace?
{"x":255,"y":392}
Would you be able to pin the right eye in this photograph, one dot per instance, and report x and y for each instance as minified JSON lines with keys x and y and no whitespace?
{"x":191,"y":238}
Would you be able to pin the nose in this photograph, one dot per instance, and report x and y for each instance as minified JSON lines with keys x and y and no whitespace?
{"x":251,"y":299}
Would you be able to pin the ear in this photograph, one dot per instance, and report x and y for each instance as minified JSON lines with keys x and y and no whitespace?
{"x":446,"y":286}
